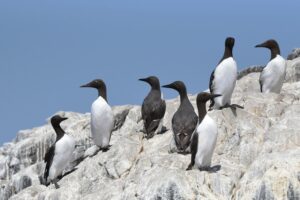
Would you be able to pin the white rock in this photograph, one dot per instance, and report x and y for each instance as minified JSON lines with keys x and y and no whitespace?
{"x":258,"y":149}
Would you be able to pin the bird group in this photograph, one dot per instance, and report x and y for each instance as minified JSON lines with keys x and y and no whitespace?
{"x":192,"y":133}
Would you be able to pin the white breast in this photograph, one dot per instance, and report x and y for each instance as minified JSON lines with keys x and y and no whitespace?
{"x":102,"y":122}
{"x":224,"y":81}
{"x":207,"y":137}
{"x":272,"y":76}
{"x":63,"y":153}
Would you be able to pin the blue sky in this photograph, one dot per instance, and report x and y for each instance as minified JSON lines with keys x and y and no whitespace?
{"x":49,"y":48}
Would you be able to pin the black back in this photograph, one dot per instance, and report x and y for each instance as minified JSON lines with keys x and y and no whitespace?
{"x":153,"y":107}
{"x":229,"y":43}
{"x":184,"y":123}
{"x":184,"y":120}
{"x":55,"y":121}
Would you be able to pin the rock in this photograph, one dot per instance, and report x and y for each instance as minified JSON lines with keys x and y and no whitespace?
{"x":293,"y":70}
{"x":249,"y":70}
{"x":257,"y":151}
{"x":295,"y":54}
{"x":274,"y":179}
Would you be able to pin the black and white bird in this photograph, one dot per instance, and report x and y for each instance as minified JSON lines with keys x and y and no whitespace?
{"x":204,"y":138}
{"x":102,"y":117}
{"x":223,"y":78}
{"x":272,"y":77}
{"x":153,"y":108}
{"x":59,"y":154}
{"x":184,"y":120}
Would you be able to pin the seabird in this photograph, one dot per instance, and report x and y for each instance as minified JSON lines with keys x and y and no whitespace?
{"x":59,"y":154}
{"x":272,"y":77}
{"x":153,"y":108}
{"x":102,"y":117}
{"x":184,"y":120}
{"x":204,"y":138}
{"x":223,"y":78}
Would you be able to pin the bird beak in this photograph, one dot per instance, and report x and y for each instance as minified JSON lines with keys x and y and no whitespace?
{"x":64,"y":118}
{"x":86,"y":85}
{"x":212,"y":96}
{"x":260,"y":45}
{"x":167,"y":86}
{"x":143,"y":79}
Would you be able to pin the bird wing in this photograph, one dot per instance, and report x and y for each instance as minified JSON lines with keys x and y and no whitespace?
{"x":262,"y":78}
{"x":211,"y":88}
{"x":155,"y":112}
{"x":194,"y":147}
{"x":48,"y":160}
{"x":261,"y":84}
{"x":211,"y":82}
{"x":144,"y":110}
{"x":162,"y":107}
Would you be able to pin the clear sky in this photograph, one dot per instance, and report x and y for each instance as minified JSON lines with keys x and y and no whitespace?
{"x":49,"y":48}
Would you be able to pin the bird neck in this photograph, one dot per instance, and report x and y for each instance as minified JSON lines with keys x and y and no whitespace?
{"x":183,"y":95}
{"x":59,"y":131}
{"x":274,"y":52}
{"x":102,"y":92}
{"x":227,"y":52}
{"x":155,"y":87}
{"x":154,"y":93}
{"x":201,"y":111}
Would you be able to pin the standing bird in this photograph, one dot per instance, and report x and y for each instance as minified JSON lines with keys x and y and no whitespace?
{"x":102,"y":117}
{"x":59,"y":154}
{"x":184,"y":120}
{"x":272,"y":77}
{"x":153,"y":108}
{"x":204,"y":138}
{"x":223,"y":78}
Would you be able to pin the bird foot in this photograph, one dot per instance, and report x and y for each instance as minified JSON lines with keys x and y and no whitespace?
{"x":143,"y":131}
{"x":56,"y":186}
{"x":236,"y":106}
{"x":233,"y":106}
{"x":213,"y":169}
{"x":149,"y":136}
{"x":204,"y":168}
{"x":189,"y":167}
{"x":105,"y":149}
{"x":163,"y":130}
